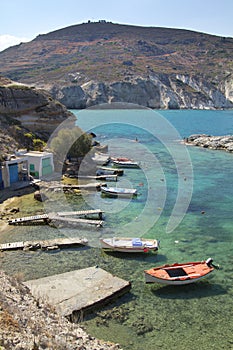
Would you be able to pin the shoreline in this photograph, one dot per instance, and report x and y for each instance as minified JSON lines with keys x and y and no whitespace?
{"x":223,"y":143}
{"x":27,"y":307}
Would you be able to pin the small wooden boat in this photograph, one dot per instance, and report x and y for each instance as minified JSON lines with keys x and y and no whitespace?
{"x":178,"y":274}
{"x":124,"y":163}
{"x":118,"y":192}
{"x":106,"y":171}
{"x":101,"y":158}
{"x":129,"y":245}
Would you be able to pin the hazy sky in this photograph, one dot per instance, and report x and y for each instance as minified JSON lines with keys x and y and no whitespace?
{"x":23,"y":20}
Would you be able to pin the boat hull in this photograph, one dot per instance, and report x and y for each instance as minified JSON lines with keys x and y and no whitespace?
{"x":125,"y":245}
{"x":125,"y":164}
{"x":179,"y":274}
{"x":151,"y":279}
{"x":118,"y":192}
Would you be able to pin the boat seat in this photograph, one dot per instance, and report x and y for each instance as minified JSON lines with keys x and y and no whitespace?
{"x":178,"y":272}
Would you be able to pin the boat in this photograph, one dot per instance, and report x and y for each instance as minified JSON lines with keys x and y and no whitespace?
{"x":105,"y":171}
{"x":118,"y":192}
{"x":179,"y":274}
{"x":101,"y":158}
{"x":129,"y":245}
{"x":124,"y":163}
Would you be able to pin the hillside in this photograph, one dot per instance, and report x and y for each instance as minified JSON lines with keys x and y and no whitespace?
{"x":27,"y":116}
{"x":101,"y":62}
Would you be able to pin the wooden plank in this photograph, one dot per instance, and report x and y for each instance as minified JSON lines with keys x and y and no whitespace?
{"x":44,"y":244}
{"x":75,"y":220}
{"x":28,"y":218}
{"x":12,"y":245}
{"x":111,"y":177}
{"x":94,"y":186}
{"x":80,"y":212}
{"x":79,"y":290}
{"x":51,"y":216}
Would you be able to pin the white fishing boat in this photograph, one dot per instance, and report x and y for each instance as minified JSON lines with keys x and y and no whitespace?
{"x":124,"y":163}
{"x":118,"y":192}
{"x":129,"y":245}
{"x":101,"y":158}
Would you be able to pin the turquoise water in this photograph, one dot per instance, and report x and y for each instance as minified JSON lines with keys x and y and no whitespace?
{"x":185,"y":200}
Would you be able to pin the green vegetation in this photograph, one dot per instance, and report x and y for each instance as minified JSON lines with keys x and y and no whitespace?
{"x":38,"y":145}
{"x":72,"y":143}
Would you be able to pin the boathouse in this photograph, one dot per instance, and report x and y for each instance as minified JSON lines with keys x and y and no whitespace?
{"x":40,"y":163}
{"x":19,"y":166}
{"x":12,"y":170}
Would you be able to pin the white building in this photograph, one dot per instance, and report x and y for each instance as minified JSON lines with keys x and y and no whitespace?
{"x":39,"y":163}
{"x":13,"y":170}
{"x":18,"y":167}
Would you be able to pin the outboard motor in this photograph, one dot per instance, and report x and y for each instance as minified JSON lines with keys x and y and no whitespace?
{"x":209,"y":262}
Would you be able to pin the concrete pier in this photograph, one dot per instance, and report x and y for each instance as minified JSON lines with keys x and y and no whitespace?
{"x":77,"y":291}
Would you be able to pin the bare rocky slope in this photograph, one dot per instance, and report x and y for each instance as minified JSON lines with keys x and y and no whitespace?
{"x":27,"y":324}
{"x":26,"y":114}
{"x":103,"y":62}
{"x":34,"y":109}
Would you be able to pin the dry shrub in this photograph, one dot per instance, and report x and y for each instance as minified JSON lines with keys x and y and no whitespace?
{"x":7,"y":322}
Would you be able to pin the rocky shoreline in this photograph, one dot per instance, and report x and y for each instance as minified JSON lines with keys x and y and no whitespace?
{"x":213,"y":142}
{"x":28,"y":324}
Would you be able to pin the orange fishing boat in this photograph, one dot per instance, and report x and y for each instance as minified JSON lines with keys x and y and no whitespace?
{"x":178,"y":274}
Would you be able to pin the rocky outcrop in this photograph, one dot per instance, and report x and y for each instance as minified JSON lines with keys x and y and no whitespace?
{"x":35,"y":109}
{"x":227,"y":87}
{"x":27,"y":324}
{"x":156,"y":91}
{"x":214,"y":142}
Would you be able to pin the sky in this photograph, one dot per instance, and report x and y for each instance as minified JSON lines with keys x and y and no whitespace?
{"x":23,"y":20}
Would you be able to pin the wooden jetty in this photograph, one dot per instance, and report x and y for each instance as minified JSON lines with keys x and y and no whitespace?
{"x":42,"y":217}
{"x":74,"y":292}
{"x":45,"y":244}
{"x":98,"y":223}
{"x":115,"y":171}
{"x":62,"y":216}
{"x":92,"y":186}
{"x":107,"y":177}
{"x":85,"y":213}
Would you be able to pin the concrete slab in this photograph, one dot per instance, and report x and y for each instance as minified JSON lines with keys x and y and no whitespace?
{"x":78,"y":290}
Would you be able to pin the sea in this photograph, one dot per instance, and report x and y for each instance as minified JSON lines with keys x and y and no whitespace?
{"x":185,"y":200}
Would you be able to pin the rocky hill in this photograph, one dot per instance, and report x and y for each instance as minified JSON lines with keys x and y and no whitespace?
{"x":103,"y":62}
{"x":33,"y":108}
{"x":26,"y":114}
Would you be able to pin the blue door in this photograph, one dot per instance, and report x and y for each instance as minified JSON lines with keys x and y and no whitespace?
{"x":1,"y":181}
{"x":13,"y":169}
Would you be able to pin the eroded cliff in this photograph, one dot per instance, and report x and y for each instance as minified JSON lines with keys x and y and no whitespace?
{"x":35,"y":109}
{"x":156,"y":91}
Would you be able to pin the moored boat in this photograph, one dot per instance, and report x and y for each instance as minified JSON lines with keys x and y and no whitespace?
{"x":129,"y":245}
{"x":118,"y":192}
{"x":179,"y":274}
{"x":125,"y":163}
{"x":101,"y":158}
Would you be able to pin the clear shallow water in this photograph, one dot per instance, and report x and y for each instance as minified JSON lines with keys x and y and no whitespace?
{"x":197,"y":316}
